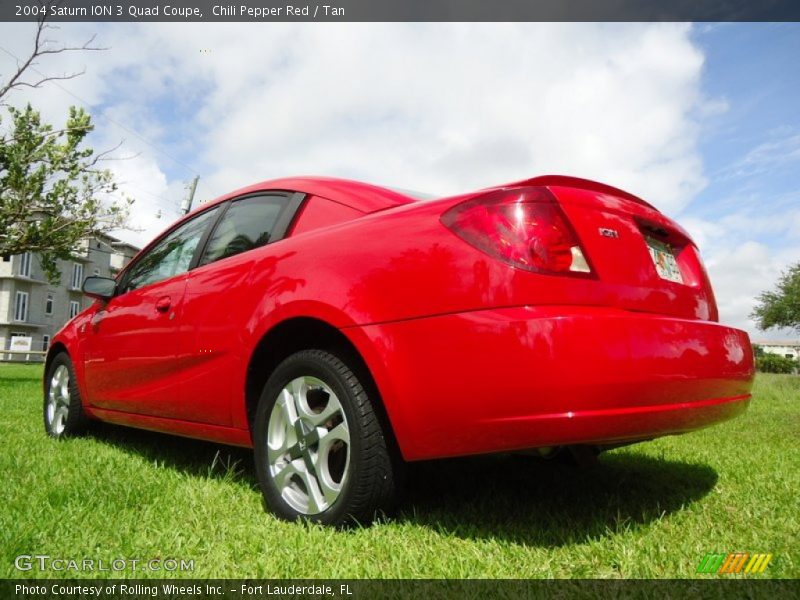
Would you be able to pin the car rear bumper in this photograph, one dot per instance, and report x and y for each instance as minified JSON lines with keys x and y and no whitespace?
{"x":517,"y":378}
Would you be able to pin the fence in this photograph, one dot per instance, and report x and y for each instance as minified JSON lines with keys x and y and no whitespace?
{"x":23,"y":356}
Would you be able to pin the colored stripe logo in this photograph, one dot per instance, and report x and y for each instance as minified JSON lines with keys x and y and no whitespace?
{"x":735,"y":562}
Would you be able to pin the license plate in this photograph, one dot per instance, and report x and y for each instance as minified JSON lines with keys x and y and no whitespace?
{"x":664,"y":260}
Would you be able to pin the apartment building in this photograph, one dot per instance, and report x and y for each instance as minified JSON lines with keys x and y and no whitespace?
{"x":32,"y":307}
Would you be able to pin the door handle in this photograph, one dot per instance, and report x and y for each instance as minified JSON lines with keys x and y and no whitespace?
{"x":163,"y":304}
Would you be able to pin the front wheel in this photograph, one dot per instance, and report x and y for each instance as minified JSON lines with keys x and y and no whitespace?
{"x":62,"y":411}
{"x":320,"y":451}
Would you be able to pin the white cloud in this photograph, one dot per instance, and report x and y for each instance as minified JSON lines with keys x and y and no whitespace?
{"x":445,"y":107}
{"x":740,"y":267}
{"x":454,"y":107}
{"x":438,"y":107}
{"x":739,"y":275}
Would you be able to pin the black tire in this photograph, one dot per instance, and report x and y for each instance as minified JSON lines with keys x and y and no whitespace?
{"x":74,"y":421}
{"x":367,"y":482}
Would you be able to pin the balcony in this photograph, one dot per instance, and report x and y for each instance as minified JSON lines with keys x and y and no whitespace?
{"x":21,"y":324}
{"x":80,"y":252}
{"x":18,"y":277}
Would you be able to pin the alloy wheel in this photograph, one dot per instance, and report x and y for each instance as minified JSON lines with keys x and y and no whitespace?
{"x":58,"y":400}
{"x":308,"y":445}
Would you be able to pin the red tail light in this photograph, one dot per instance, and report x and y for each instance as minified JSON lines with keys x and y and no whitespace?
{"x":522,"y":227}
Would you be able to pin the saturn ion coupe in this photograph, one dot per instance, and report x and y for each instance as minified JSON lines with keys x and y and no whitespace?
{"x":341,"y":329}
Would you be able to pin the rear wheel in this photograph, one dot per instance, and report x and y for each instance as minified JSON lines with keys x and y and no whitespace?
{"x":62,"y":411}
{"x":320,"y":450}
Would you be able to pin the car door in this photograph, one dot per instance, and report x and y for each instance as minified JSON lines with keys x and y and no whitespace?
{"x":219,"y":302}
{"x":132,"y":342}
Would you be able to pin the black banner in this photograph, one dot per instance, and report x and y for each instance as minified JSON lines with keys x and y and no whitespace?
{"x":266,"y":11}
{"x":349,"y":589}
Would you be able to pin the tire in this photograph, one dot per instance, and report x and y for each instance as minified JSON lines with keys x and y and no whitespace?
{"x":62,"y":409}
{"x":320,"y":451}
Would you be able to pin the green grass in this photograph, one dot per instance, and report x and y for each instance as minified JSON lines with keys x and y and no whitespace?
{"x":651,"y":510}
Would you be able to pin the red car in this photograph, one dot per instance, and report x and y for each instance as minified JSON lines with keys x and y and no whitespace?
{"x":340,"y":329}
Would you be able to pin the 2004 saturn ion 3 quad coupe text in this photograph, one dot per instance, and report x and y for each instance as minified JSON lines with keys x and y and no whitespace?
{"x":340,"y":328}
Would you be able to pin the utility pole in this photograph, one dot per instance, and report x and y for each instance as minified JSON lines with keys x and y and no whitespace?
{"x":186,"y":205}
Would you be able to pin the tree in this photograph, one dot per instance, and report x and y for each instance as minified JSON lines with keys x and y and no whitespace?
{"x":53,"y":193}
{"x":781,"y":307}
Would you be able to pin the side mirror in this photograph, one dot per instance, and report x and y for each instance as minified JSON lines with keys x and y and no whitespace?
{"x":101,"y":288}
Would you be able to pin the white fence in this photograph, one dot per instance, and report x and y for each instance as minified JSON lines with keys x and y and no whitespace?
{"x":22,"y":356}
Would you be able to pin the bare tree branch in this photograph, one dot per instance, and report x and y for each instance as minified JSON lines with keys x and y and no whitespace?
{"x":41,"y":47}
{"x":105,"y":155}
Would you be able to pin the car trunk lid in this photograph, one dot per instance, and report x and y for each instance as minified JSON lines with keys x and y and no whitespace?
{"x":651,"y":262}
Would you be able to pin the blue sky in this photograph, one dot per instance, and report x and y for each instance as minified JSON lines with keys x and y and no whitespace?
{"x":751,"y":155}
{"x":754,"y":67}
{"x":701,"y":120}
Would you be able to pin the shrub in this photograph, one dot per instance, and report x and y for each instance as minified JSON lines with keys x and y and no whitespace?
{"x":774,"y":363}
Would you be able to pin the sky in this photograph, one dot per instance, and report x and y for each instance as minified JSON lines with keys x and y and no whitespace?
{"x":700,"y":120}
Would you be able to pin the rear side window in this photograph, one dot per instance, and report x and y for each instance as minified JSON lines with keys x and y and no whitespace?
{"x":248,"y":224}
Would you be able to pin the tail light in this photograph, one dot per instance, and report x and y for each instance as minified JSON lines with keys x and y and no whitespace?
{"x":522,"y":227}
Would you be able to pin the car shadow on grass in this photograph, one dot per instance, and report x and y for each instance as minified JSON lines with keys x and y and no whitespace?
{"x":516,"y":499}
{"x":527,"y":501}
{"x":193,"y":457}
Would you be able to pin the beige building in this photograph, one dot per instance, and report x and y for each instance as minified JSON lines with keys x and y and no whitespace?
{"x":31,"y":307}
{"x":785,"y":348}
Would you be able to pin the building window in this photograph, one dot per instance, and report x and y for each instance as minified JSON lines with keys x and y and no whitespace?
{"x":25,"y":264}
{"x":48,"y":305}
{"x":77,"y":276}
{"x":21,"y":306}
{"x":6,"y":258}
{"x":74,"y":308}
{"x":45,"y":342}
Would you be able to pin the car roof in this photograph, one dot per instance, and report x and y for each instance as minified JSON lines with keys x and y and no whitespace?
{"x":362,"y":196}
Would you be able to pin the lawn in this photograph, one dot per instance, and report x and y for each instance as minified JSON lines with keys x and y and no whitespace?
{"x":652,"y":510}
